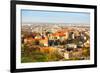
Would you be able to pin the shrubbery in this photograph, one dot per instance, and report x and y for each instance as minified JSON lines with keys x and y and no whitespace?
{"x":33,"y":54}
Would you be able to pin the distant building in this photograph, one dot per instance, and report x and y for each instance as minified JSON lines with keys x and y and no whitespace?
{"x":70,"y":47}
{"x":44,"y":41}
{"x":66,"y":55}
{"x":71,"y":35}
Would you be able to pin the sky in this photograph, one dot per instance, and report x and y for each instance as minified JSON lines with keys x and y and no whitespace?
{"x":36,"y":16}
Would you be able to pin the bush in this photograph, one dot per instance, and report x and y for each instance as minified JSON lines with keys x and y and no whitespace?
{"x":33,"y":54}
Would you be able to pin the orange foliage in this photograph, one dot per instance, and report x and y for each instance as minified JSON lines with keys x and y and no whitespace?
{"x":47,"y":49}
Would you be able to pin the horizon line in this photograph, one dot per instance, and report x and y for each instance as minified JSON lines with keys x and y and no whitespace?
{"x":50,"y":23}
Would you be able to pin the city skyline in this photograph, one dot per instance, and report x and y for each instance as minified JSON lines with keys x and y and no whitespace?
{"x":30,"y":16}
